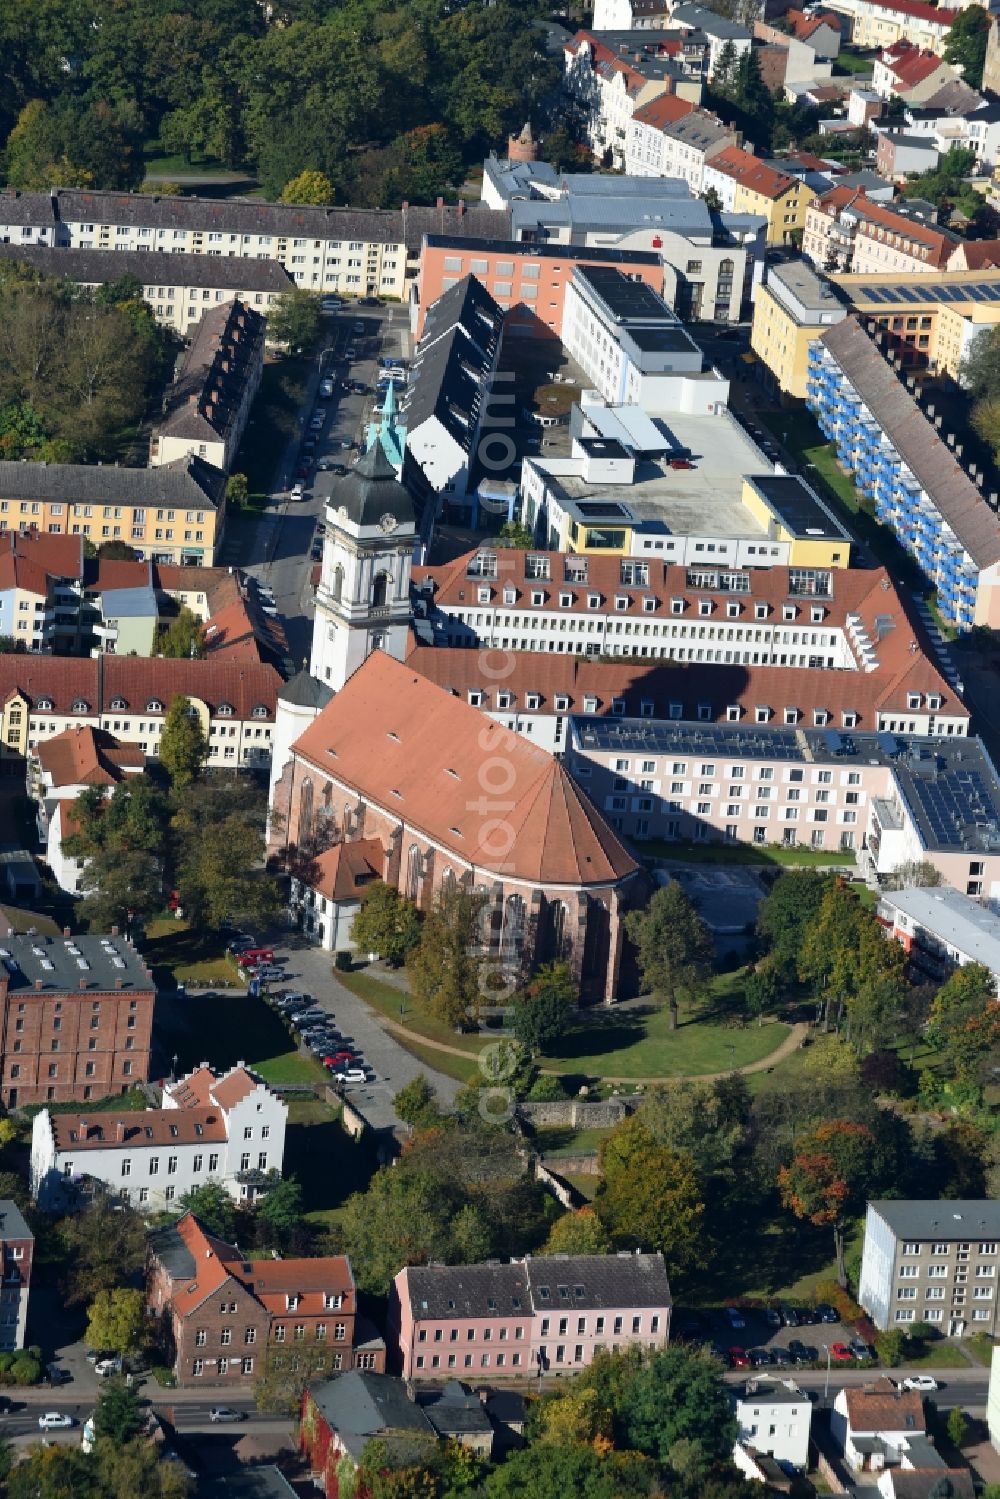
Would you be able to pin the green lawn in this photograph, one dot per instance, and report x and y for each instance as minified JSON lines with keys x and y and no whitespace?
{"x":937,"y":1356}
{"x":21,"y":920}
{"x":851,"y":62}
{"x":687,"y":852}
{"x":605,"y":1043}
{"x":554,"y":1140}
{"x":177,"y":954}
{"x":230,"y":1027}
{"x":981,"y":1346}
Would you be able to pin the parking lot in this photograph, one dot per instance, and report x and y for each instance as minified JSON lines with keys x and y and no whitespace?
{"x":779,"y":1337}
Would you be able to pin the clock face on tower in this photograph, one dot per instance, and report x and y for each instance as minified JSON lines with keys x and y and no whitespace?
{"x":387,"y":523}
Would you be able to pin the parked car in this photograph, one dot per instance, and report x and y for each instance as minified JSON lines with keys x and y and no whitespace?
{"x":105,"y":1367}
{"x":360,"y":388}
{"x":331,"y":304}
{"x":772,"y":1317}
{"x":860,"y":1350}
{"x":339,"y":469}
{"x":789,"y":1316}
{"x":357,"y":327}
{"x":780,"y":1355}
{"x":826,"y":1313}
{"x":298,"y":997}
{"x":317,"y":421}
{"x":802,"y":1353}
{"x":266,"y":972}
{"x":297,"y":491}
{"x":369,"y":302}
{"x":326,"y":388}
{"x":345,"y":443}
{"x":258,"y":955}
{"x":352,"y":1075}
{"x":736,"y":1317}
{"x":759,"y":1357}
{"x":226,"y":1413}
{"x":55,"y":1421}
{"x":840,"y":1353}
{"x":924,"y":1383}
{"x":738,"y":1359}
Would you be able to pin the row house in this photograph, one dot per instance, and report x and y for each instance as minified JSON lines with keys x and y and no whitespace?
{"x":174,"y":513}
{"x":745,"y":184}
{"x":890,"y":798}
{"x":205,"y":411}
{"x":526,"y":1318}
{"x":667,"y":140}
{"x":128,"y":697}
{"x":17,"y":1249}
{"x":919,"y":488}
{"x":355,"y":252}
{"x":607,"y":79}
{"x":60,"y":770}
{"x":178,"y":293}
{"x":221,"y":1317}
{"x":226,"y":1128}
{"x":914,"y":74}
{"x":394,"y":758}
{"x":879,"y":23}
{"x":846,"y":231}
{"x":722,"y":32}
{"x":76,"y":1018}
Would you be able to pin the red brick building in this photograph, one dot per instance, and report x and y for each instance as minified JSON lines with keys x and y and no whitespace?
{"x":454,"y":799}
{"x":76,"y":1018}
{"x":218,"y":1313}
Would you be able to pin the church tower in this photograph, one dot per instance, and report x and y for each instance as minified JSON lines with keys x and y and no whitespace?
{"x":363,"y":598}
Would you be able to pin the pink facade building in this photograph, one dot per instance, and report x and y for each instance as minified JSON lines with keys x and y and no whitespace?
{"x":537,"y":1315}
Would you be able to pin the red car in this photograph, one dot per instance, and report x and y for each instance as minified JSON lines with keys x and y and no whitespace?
{"x":738,"y":1359}
{"x":681,"y":463}
{"x":841,"y":1353}
{"x":339,"y":1059}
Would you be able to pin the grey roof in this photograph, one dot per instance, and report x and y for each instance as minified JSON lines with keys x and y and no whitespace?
{"x":456,"y":1410}
{"x":626,"y":301}
{"x":360,"y":1405}
{"x":586,"y":1282}
{"x":513,"y":248}
{"x":188,"y":483}
{"x":709,"y":22}
{"x":955,"y":918}
{"x":206,"y":397}
{"x":244,"y":216}
{"x":264,"y":1482}
{"x":611,"y":212}
{"x":771,"y":1392}
{"x":583,"y":185}
{"x":94,"y":267}
{"x":38,"y":967}
{"x":172,"y":1253}
{"x":959,"y":1218}
{"x":129,"y":603}
{"x":454,"y":361}
{"x":698,"y":128}
{"x":12,"y":1224}
{"x":908,"y":1483}
{"x":798,"y":506}
{"x":305,"y":691}
{"x":371,"y":490}
{"x":916,"y":440}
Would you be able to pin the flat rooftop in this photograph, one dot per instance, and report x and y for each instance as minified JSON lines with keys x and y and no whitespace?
{"x":44,"y":966}
{"x":626,"y":300}
{"x":665,"y":339}
{"x":701,"y":501}
{"x":796,"y":279}
{"x":955,"y":288}
{"x":798,"y":508}
{"x":956,"y":918}
{"x":531,"y":251}
{"x":959,"y":1218}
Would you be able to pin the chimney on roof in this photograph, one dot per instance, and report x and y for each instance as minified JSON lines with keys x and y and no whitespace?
{"x":67,"y":932}
{"x":114,"y":931}
{"x":120,"y":1129}
{"x":83,"y":984}
{"x":119,"y":983}
{"x":39,"y":983}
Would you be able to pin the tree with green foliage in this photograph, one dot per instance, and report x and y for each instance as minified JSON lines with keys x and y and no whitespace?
{"x":295,"y":319}
{"x":829,"y":1178}
{"x":308,"y":187}
{"x":875,"y":1008}
{"x":891,"y":1347}
{"x":444,"y":967}
{"x":103,"y":1245}
{"x":513,"y":533}
{"x":546,"y":1471}
{"x":385,"y":923}
{"x":785,"y":914}
{"x":829,"y":950}
{"x":578,"y":1232}
{"x":958,"y":1421}
{"x":280,"y":1214}
{"x":417,"y":1104}
{"x":183,"y":746}
{"x":677,"y":1411}
{"x":184,"y":637}
{"x":705,"y":1122}
{"x":560,"y":150}
{"x":212,"y":1206}
{"x":761,"y":991}
{"x":648,"y":1197}
{"x":218,"y":850}
{"x":399,"y":1220}
{"x":965,"y":44}
{"x":118,"y":1414}
{"x":965,"y":1020}
{"x":237,"y":491}
{"x":674,"y":948}
{"x":116,"y":551}
{"x":544,"y":1012}
{"x":116,"y":1321}
{"x":121,"y":839}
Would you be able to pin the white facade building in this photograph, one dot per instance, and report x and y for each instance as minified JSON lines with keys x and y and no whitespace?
{"x":942,"y":929}
{"x":774,"y":1417}
{"x":228,"y":1129}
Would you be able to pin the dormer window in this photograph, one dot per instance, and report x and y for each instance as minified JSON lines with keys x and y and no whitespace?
{"x":510,"y":596}
{"x":118,"y":705}
{"x":732,"y":611}
{"x":704,"y":607}
{"x":733,"y":713}
{"x":849,"y":720}
{"x":593,"y":600}
{"x":45,"y":705}
{"x":80,"y":705}
{"x":762,"y":715}
{"x":649,"y":605}
{"x":791,"y":715}
{"x":704,"y":711}
{"x":913,"y":699}
{"x":565,"y":601}
{"x":562,"y":703}
{"x":646,"y":708}
{"x":590,"y":705}
{"x":292,"y":1302}
{"x":259,"y":711}
{"x":224,"y":710}
{"x":618,"y":706}
{"x":677,"y":606}
{"x":621,"y":601}
{"x":760,"y":611}
{"x":475,"y":698}
{"x":934,"y":701}
{"x":788,"y":611}
{"x":820,"y":718}
{"x":505,"y":700}
{"x":154,"y":705}
{"x":676,"y":710}
{"x":537,"y":597}
{"x":483,"y":595}
{"x":816,"y":615}
{"x":533,"y":700}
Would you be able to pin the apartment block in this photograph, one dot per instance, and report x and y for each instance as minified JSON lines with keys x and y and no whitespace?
{"x":608,"y":77}
{"x":846,"y":231}
{"x":527,"y":280}
{"x":879,"y":23}
{"x":179,"y":293}
{"x":794,"y":307}
{"x":932,"y":1262}
{"x":76,"y":1018}
{"x":128,"y":697}
{"x":898,"y":459}
{"x":941,"y":930}
{"x":526,"y":1318}
{"x":205,"y":411}
{"x":41,"y":585}
{"x":17,"y":1248}
{"x":355,"y":252}
{"x":174,"y":513}
{"x":745,"y":184}
{"x":226,"y":1128}
{"x":669,"y":138}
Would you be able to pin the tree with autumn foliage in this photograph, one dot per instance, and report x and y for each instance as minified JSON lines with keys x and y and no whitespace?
{"x":829,"y":1178}
{"x":965,"y":1021}
{"x":649,"y":1196}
